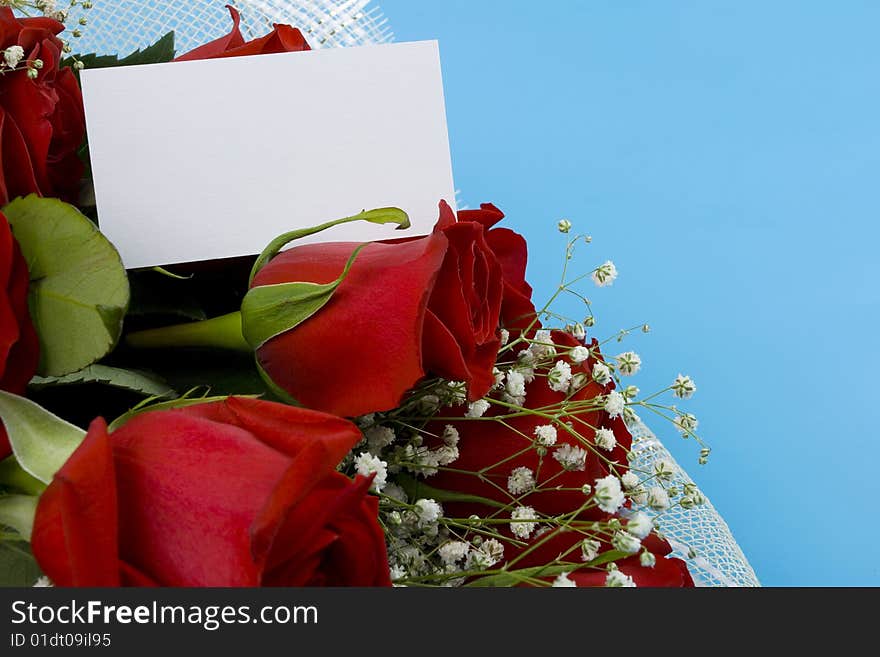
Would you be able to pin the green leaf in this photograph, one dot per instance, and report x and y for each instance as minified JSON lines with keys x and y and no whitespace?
{"x":376,"y":216}
{"x":17,"y":565}
{"x":416,"y":489}
{"x":79,"y":290}
{"x":17,"y":511}
{"x":159,"y":52}
{"x":270,"y":310}
{"x":141,"y":382}
{"x":41,"y":441}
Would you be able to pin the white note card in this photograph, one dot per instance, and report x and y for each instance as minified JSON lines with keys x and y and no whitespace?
{"x":213,"y":159}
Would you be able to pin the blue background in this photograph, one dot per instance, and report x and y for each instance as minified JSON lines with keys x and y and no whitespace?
{"x":726,"y":156}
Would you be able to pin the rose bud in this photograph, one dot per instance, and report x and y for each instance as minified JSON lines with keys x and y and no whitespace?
{"x":349,"y":328}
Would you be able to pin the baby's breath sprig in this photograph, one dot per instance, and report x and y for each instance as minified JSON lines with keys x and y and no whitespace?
{"x":59,"y":10}
{"x":406,"y":449}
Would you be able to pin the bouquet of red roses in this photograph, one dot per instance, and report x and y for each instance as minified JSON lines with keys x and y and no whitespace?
{"x":395,"y":412}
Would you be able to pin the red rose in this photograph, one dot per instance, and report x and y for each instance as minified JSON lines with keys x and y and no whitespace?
{"x":236,"y":493}
{"x":495,"y":449}
{"x":19,"y":346}
{"x":41,"y":120}
{"x":517,"y":309}
{"x":407,"y":308}
{"x":283,"y":38}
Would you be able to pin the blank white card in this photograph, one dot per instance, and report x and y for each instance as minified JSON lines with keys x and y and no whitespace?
{"x":213,"y":159}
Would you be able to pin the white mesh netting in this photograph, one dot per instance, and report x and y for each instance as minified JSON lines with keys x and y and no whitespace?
{"x":698,"y":535}
{"x":123,"y":26}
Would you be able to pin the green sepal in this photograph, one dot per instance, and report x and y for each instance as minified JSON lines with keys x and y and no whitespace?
{"x":17,"y":511}
{"x":78,"y":292}
{"x":147,"y":406}
{"x":277,"y":391}
{"x":41,"y":441}
{"x":376,"y":216}
{"x":270,"y":310}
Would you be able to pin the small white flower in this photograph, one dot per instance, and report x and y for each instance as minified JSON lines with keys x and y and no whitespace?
{"x":366,"y":464}
{"x":630,"y":479}
{"x":43,"y":581}
{"x":658,"y":498}
{"x":614,"y":404}
{"x":486,"y":556}
{"x":564,"y":225}
{"x":379,"y":437}
{"x":605,"y":274}
{"x":394,"y":491}
{"x":563,"y":580}
{"x":647,"y":559}
{"x":579,"y":354}
{"x":686,"y":423}
{"x":546,"y":435}
{"x":428,"y":511}
{"x":528,"y":373}
{"x":616,"y":579}
{"x":628,"y":363}
{"x":626,"y":542}
{"x":560,"y":376}
{"x":505,"y":337}
{"x":639,"y":496}
{"x":639,"y":524}
{"x":608,"y":494}
{"x":571,"y":458}
{"x":683,"y":387}
{"x":578,"y":331}
{"x":516,"y":384}
{"x":578,"y":381}
{"x":477,"y":408}
{"x":587,"y":490}
{"x":630,"y":392}
{"x":520,"y":481}
{"x":521,"y":527}
{"x":455,"y":393}
{"x":13,"y":56}
{"x":605,"y":439}
{"x":542,"y":346}
{"x":446,"y":454}
{"x":589,"y":549}
{"x":450,"y":436}
{"x":663,"y":469}
{"x":453,"y":551}
{"x":499,"y":378}
{"x":601,"y":374}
